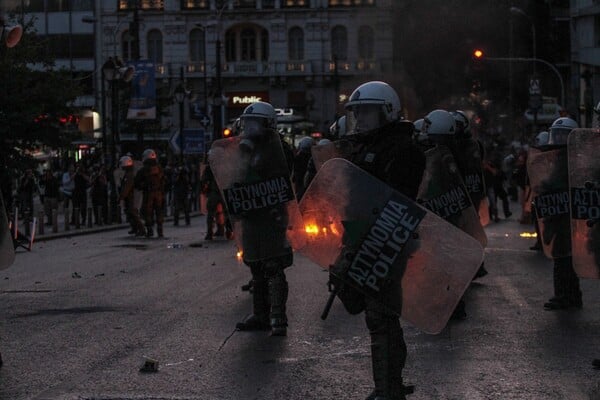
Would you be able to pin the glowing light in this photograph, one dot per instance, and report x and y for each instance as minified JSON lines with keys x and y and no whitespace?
{"x":528,"y":235}
{"x":239,"y":255}
{"x":478,"y":53}
{"x":311,"y":229}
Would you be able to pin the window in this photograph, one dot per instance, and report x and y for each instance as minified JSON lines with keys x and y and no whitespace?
{"x":141,"y":4}
{"x":248,"y":45}
{"x":296,"y":44}
{"x":366,"y":42}
{"x":350,"y":3}
{"x":245,"y":4}
{"x":155,"y":50}
{"x":268,"y":3}
{"x":264,"y":40}
{"x":197,"y":45}
{"x":195,"y":4}
{"x":126,"y":44}
{"x":68,"y":5}
{"x":230,"y":46}
{"x":295,"y":3}
{"x":33,"y":6}
{"x":339,"y":43}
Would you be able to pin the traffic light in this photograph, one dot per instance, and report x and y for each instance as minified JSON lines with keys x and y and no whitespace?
{"x":226,"y":132}
{"x":477,"y":54}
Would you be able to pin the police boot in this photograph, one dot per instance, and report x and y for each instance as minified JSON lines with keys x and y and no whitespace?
{"x":572,"y":290}
{"x":388,"y":355}
{"x":149,"y":232}
{"x":209,"y":230}
{"x":560,"y":300}
{"x":259,"y":319}
{"x":159,"y":231}
{"x":278,"y":291}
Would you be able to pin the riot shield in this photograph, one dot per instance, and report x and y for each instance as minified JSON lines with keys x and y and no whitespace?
{"x":470,"y":161}
{"x":584,"y":185}
{"x":7,"y":249}
{"x":254,"y":180}
{"x":443,"y":192}
{"x":386,"y":246}
{"x":323,"y":152}
{"x":549,"y":178}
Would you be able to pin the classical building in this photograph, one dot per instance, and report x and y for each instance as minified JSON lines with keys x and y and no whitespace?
{"x":303,"y":56}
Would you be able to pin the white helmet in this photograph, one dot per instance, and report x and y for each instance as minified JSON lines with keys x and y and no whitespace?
{"x":463,"y":124}
{"x":125,"y":162}
{"x":541,"y":139}
{"x":418,"y":124}
{"x":257,"y":117}
{"x":439,"y":122}
{"x":338,"y":128}
{"x":371,"y":106}
{"x":148,"y":154}
{"x":306,"y":143}
{"x":559,"y":131}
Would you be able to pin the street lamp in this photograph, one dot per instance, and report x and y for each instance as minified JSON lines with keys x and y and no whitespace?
{"x":203,"y":29}
{"x":518,"y":11}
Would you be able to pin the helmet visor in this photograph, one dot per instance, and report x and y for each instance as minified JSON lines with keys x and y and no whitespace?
{"x":362,"y":118}
{"x":558,"y":136}
{"x":253,"y":126}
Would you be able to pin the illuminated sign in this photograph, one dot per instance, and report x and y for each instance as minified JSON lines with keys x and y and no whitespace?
{"x":243,"y":99}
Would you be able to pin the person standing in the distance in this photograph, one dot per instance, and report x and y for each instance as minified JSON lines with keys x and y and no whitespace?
{"x":181,"y":194}
{"x":127,"y":196}
{"x":383,"y":147}
{"x":150,"y":179}
{"x":215,"y":208}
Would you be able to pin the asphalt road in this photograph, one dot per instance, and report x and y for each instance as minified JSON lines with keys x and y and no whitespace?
{"x":80,"y":314}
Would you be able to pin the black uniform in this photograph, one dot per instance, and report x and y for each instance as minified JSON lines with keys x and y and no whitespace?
{"x":270,"y":287}
{"x":389,"y":155}
{"x":127,"y":196}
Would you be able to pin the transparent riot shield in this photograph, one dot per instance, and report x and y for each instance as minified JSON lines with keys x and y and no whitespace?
{"x":443,"y":192}
{"x":387,"y":246}
{"x":254,"y":180}
{"x":549,"y":178}
{"x":584,"y":185}
{"x":470,"y":161}
{"x":323,"y":152}
{"x":7,"y":249}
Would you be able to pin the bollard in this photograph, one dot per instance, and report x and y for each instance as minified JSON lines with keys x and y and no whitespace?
{"x":54,"y":220}
{"x":77,"y":220}
{"x":66,"y":221}
{"x":41,"y":226}
{"x":89,"y":217}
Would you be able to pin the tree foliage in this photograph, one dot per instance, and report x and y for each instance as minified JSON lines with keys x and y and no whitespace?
{"x":34,"y":97}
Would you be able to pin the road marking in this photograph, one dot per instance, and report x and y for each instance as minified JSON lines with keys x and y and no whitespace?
{"x":510,"y":292}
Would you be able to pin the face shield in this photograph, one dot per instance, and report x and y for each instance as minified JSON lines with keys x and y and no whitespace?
{"x":252,"y":127}
{"x":558,"y":136}
{"x":363,"y":118}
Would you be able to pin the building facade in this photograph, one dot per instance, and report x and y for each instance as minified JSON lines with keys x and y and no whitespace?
{"x":585,"y":57}
{"x":303,"y":56}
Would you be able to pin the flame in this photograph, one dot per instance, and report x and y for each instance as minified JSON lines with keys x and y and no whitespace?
{"x":528,"y":235}
{"x":311,"y":229}
{"x":239,"y":255}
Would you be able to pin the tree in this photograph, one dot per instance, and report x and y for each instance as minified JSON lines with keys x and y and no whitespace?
{"x":35,"y":96}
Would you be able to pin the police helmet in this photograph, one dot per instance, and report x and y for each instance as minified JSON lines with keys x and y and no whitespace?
{"x":541,"y":139}
{"x":306,"y":143}
{"x":559,"y":131}
{"x":463,"y":124}
{"x":338,"y":128}
{"x":439,"y":122}
{"x":323,"y":141}
{"x":372,"y":105}
{"x":257,"y":118}
{"x":148,"y":154}
{"x":125,"y":162}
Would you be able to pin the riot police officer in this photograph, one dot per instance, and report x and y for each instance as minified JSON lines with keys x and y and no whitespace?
{"x":262,"y":147}
{"x":567,"y":293}
{"x":383,"y":147}
{"x":127,"y":196}
{"x":151,"y":181}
